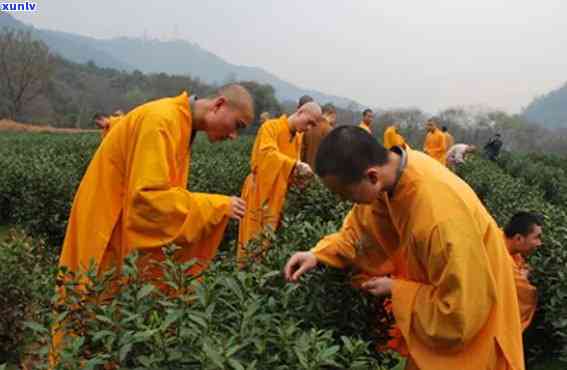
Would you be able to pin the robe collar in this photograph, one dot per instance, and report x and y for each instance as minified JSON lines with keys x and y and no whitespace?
{"x":401,"y":167}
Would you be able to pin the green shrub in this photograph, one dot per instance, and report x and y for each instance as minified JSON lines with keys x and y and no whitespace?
{"x":26,"y":286}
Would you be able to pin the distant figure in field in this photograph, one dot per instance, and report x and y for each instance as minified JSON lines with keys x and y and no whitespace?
{"x":492,"y":147}
{"x":274,"y":165}
{"x":313,"y":137}
{"x":367,"y":119}
{"x":449,"y":139}
{"x":434,"y":144}
{"x":457,"y":154}
{"x":106,"y":123}
{"x":392,"y":137}
{"x":304,"y":100}
{"x":264,"y":117}
{"x":523,"y":236}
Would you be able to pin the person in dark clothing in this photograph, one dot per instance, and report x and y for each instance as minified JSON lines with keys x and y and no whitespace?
{"x":492,"y":148}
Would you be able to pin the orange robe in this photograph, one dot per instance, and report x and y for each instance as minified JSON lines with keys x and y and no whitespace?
{"x":453,"y":298}
{"x":435,"y":146}
{"x":274,"y":156}
{"x":311,"y":141}
{"x":134,"y":195}
{"x":392,"y":138}
{"x":365,"y":127}
{"x":527,"y":293}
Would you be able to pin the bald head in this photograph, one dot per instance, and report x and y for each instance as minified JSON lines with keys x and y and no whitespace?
{"x":312,"y":108}
{"x":307,"y":116}
{"x":239,"y":98}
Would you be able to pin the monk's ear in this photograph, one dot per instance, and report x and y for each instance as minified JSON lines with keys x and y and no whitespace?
{"x":372,"y":175}
{"x":219,"y":102}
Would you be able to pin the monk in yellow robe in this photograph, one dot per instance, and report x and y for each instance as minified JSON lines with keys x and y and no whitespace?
{"x":393,"y":138}
{"x":523,"y":236}
{"x":435,"y":145}
{"x":367,"y":119}
{"x":453,"y":294}
{"x":449,"y":139}
{"x":313,"y":137}
{"x":134,"y":197}
{"x":274,"y":164}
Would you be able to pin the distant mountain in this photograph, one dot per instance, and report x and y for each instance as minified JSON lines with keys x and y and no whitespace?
{"x":174,"y":57}
{"x":549,"y":110}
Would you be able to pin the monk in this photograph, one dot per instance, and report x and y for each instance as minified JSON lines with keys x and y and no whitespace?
{"x":312,"y":138}
{"x":367,"y":119}
{"x":449,"y":139}
{"x":523,"y":236}
{"x":275,"y":164}
{"x":392,"y":137}
{"x":453,"y":294}
{"x":435,"y":145}
{"x":134,"y":197}
{"x":106,"y":123}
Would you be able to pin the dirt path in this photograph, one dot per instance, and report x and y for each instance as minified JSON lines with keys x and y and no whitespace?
{"x":12,"y":126}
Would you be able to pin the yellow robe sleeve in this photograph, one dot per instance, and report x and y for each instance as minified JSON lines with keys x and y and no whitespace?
{"x":159,"y":213}
{"x":450,"y":309}
{"x":527,"y":293}
{"x":435,"y":146}
{"x":271,"y":162}
{"x":389,"y":139}
{"x":339,"y":249}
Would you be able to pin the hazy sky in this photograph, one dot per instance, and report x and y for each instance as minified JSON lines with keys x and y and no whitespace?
{"x":383,"y":53}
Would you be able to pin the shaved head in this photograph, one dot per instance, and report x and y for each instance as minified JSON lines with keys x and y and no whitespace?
{"x":311,"y":107}
{"x":239,"y":98}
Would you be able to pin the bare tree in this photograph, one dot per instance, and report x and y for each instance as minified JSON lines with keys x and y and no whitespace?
{"x":25,"y":69}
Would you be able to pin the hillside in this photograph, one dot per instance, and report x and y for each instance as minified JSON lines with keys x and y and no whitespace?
{"x":173,"y":57}
{"x":549,"y":110}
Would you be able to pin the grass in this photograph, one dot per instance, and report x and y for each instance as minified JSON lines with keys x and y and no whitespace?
{"x":4,"y":230}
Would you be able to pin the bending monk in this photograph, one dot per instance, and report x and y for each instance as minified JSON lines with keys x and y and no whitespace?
{"x":313,"y":137}
{"x":274,"y":165}
{"x":434,"y":144}
{"x":523,"y":236}
{"x":392,"y":138}
{"x":134,"y":194}
{"x":453,"y":294}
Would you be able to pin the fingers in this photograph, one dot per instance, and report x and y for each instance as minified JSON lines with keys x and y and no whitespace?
{"x":238,"y":208}
{"x":290,"y":266}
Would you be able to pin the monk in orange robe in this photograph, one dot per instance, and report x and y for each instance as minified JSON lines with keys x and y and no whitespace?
{"x":367,"y":119}
{"x":435,"y":145}
{"x":313,"y":137}
{"x":392,"y":138}
{"x":453,"y":293}
{"x":274,"y":164}
{"x":134,"y":197}
{"x":523,"y":236}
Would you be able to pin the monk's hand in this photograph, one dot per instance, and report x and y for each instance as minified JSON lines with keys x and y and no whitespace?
{"x":299,"y":264}
{"x":379,"y":286}
{"x":302,"y":174}
{"x":237,"y":208}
